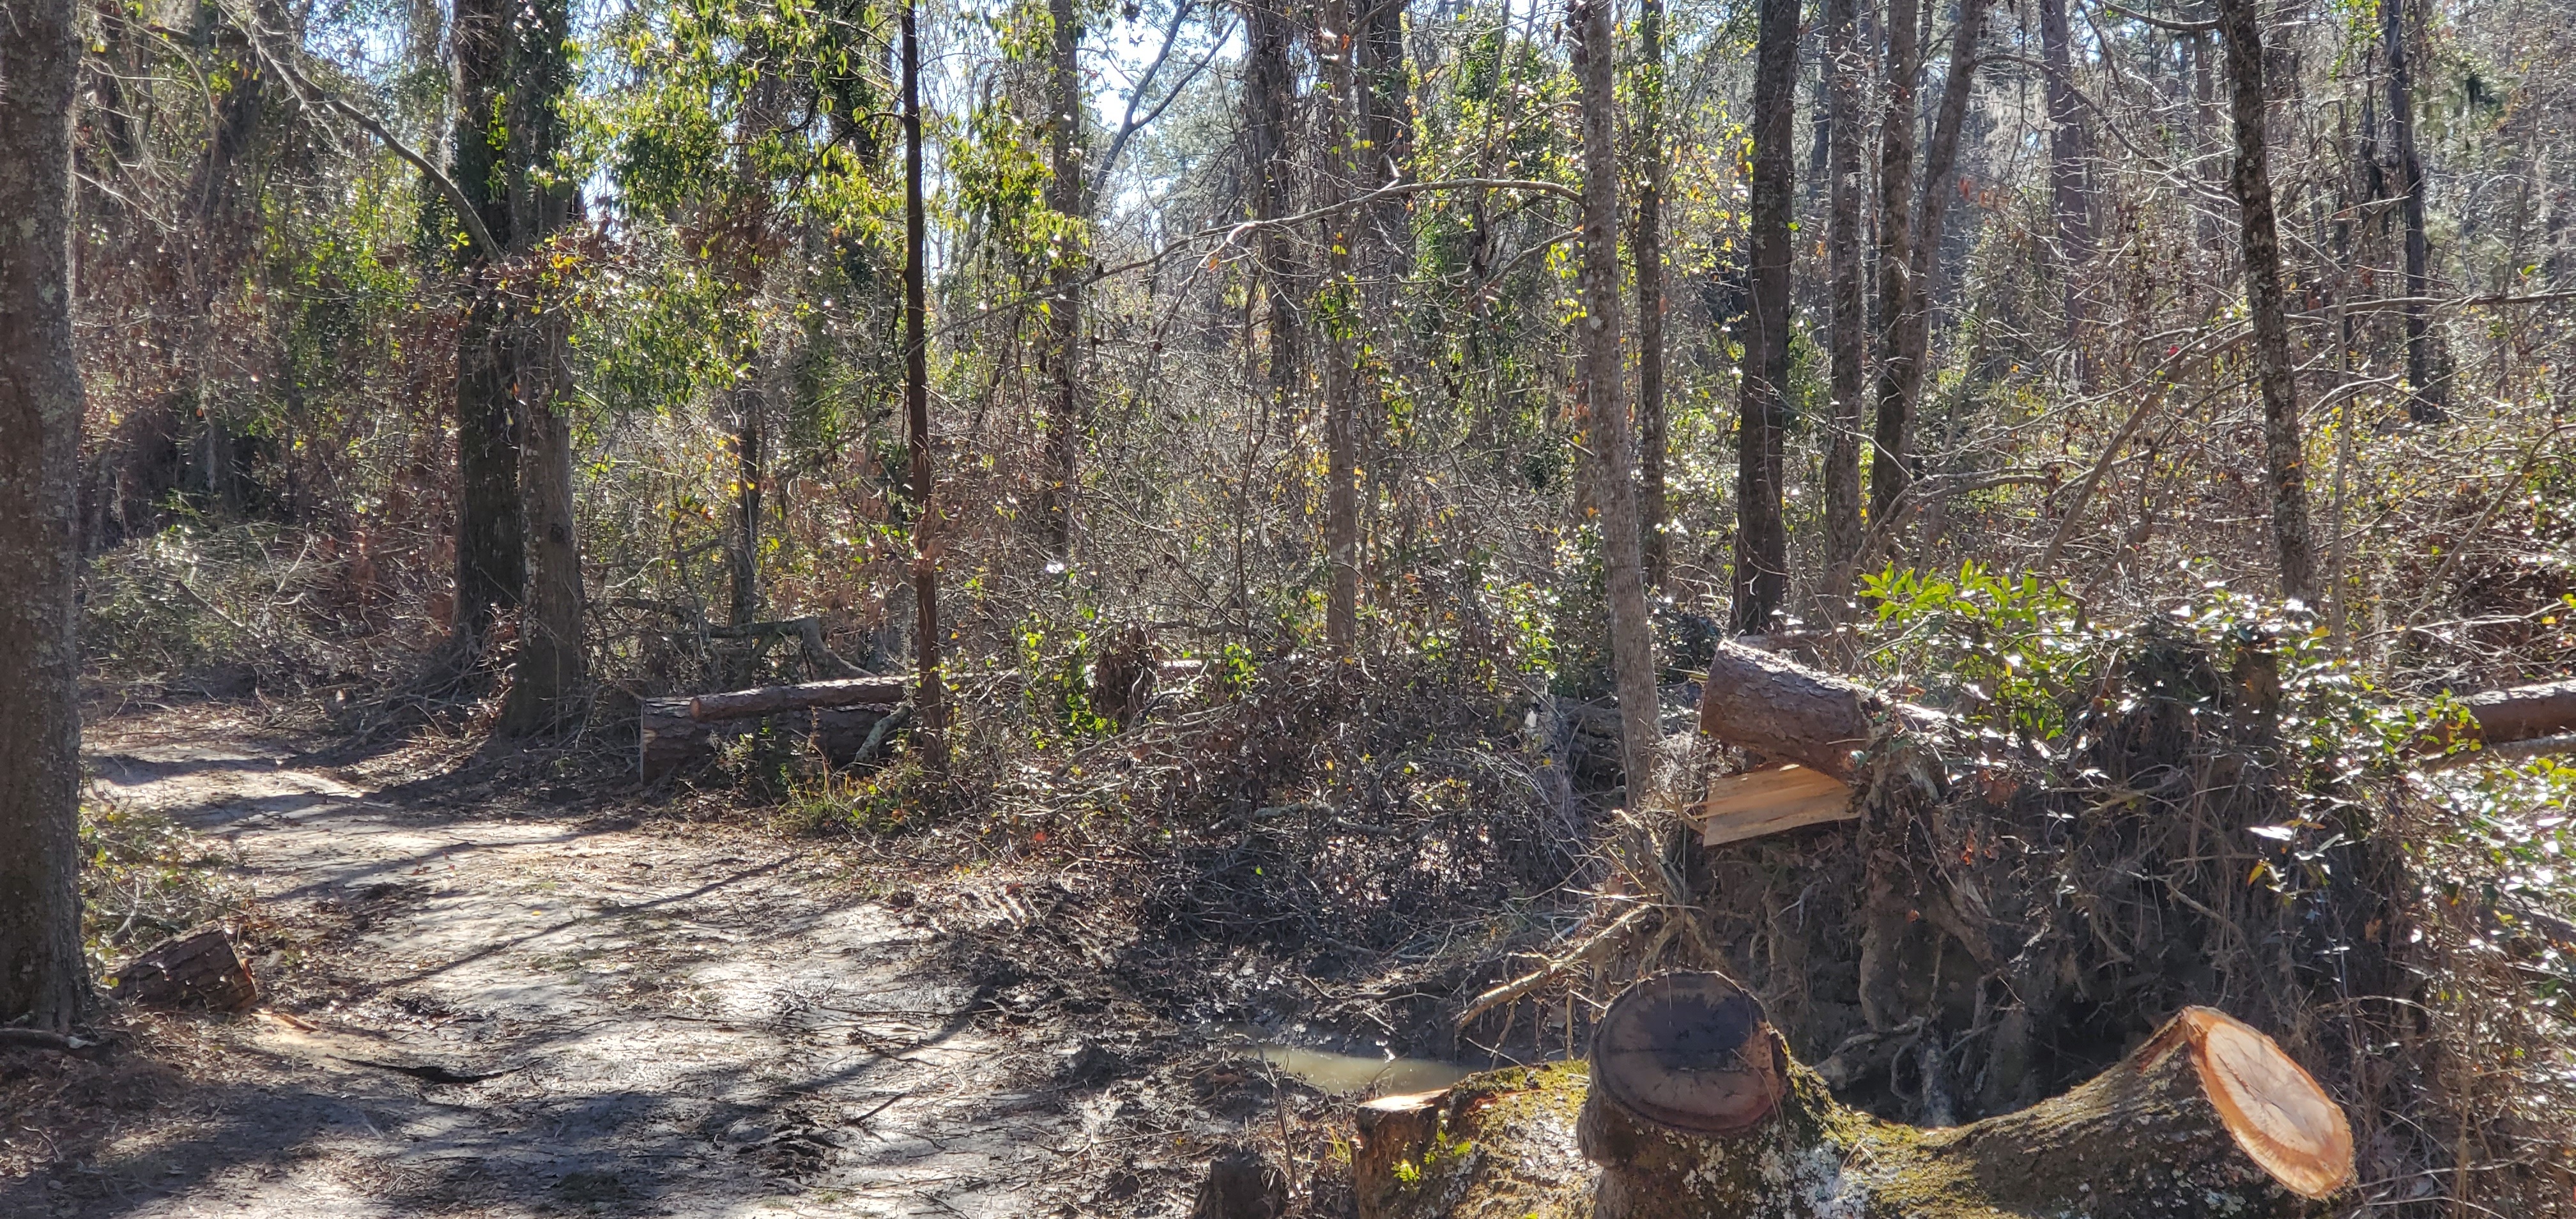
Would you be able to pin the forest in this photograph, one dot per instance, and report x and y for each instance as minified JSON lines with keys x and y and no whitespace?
{"x":1244,"y":608}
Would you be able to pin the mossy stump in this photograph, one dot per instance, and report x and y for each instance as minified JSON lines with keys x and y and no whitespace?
{"x":1692,"y":1107}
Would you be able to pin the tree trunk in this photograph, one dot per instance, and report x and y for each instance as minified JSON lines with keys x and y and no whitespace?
{"x":2425,"y":386}
{"x":491,"y":525}
{"x":1845,"y":289}
{"x":930,"y":704}
{"x":1895,"y":238}
{"x":750,"y":404}
{"x":1691,"y":1106}
{"x":1648,"y":246}
{"x":1598,"y":406}
{"x":546,"y":686}
{"x":1909,"y":330}
{"x":1268,"y":89}
{"x":1761,"y":533}
{"x":2069,"y":201}
{"x":1056,"y":506}
{"x":2250,"y":180}
{"x":1339,"y":310}
{"x":43,"y":977}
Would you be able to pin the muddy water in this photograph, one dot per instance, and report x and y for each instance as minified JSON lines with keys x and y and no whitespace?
{"x":1341,"y":1073}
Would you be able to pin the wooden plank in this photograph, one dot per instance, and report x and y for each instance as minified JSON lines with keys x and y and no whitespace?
{"x":1769,"y":800}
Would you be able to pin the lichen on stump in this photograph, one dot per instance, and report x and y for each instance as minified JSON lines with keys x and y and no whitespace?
{"x":1692,"y":1106}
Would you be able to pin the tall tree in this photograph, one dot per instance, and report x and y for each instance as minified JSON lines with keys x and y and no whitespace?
{"x":1269,"y":91}
{"x":2070,"y":200}
{"x":1761,"y":531}
{"x":1598,"y":405}
{"x":1648,"y":249}
{"x":2424,"y":383}
{"x":1844,"y":290}
{"x":930,"y":702}
{"x":1338,"y":312}
{"x":1904,"y":63}
{"x":491,"y":522}
{"x":546,"y":683}
{"x":2250,"y":180}
{"x":1065,"y":196}
{"x":43,"y":977}
{"x":1904,"y":354}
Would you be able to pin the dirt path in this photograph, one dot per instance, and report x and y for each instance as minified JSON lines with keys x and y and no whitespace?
{"x":672,"y":1021}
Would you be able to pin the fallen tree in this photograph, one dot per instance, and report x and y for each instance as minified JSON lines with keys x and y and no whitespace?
{"x":842,"y":720}
{"x":1692,"y":1106}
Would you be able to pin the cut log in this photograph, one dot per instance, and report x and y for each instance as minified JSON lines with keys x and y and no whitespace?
{"x":669,"y":739}
{"x":1692,"y":1106}
{"x":772,"y":700}
{"x":1768,"y":800}
{"x":199,"y":968}
{"x":2521,"y":713}
{"x":1785,"y":711}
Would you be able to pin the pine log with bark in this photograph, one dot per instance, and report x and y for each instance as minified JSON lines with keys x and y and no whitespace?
{"x":43,"y":978}
{"x":1692,"y":1106}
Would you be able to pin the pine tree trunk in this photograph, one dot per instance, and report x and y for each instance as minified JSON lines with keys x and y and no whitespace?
{"x":2070,"y":202}
{"x":491,"y":522}
{"x":1268,"y":90}
{"x":1761,"y":533}
{"x":1909,"y":329}
{"x":1648,"y":249}
{"x":1895,"y":243}
{"x":2250,"y":180}
{"x":1339,"y":315}
{"x":1056,"y":505}
{"x":929,"y":700}
{"x":43,"y":977}
{"x":546,"y":686}
{"x":1844,"y":289}
{"x":1600,"y":410}
{"x":2425,"y":399}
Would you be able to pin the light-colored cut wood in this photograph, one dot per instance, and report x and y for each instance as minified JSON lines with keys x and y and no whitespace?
{"x":1769,"y":800}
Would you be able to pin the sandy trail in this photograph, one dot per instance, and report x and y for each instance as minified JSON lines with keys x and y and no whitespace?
{"x":681,"y":1022}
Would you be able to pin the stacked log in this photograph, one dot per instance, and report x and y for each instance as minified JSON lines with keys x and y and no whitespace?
{"x":838,"y":719}
{"x":1691,"y":1106}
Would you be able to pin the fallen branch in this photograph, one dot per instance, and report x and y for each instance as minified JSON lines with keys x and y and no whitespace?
{"x":1590,"y":947}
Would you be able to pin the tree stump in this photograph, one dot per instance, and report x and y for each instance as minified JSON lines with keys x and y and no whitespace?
{"x":1692,"y":1106}
{"x":197,"y":969}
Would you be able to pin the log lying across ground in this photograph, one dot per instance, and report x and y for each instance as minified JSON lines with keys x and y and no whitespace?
{"x":1808,"y":725}
{"x":840,"y":718}
{"x":1691,"y":1106}
{"x":199,"y":968}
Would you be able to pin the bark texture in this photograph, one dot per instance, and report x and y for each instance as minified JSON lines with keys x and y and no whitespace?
{"x":1338,"y":310}
{"x":2250,"y":181}
{"x":198,"y":969}
{"x":1604,"y":416}
{"x":930,"y":704}
{"x":1846,"y":289}
{"x":1895,"y":243}
{"x":2425,"y":401}
{"x":1784,"y":710}
{"x":1647,"y":248}
{"x":491,"y":527}
{"x":43,"y":979}
{"x":1909,"y":329}
{"x":546,"y":684}
{"x":1761,"y":533}
{"x":1065,"y":196}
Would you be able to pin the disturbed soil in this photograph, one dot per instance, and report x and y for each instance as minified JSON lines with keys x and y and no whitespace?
{"x":487,"y":994}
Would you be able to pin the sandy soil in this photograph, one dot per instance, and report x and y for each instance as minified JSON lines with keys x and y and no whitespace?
{"x":517,"y":1002}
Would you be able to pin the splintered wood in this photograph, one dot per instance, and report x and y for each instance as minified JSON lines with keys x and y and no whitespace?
{"x":1768,"y":800}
